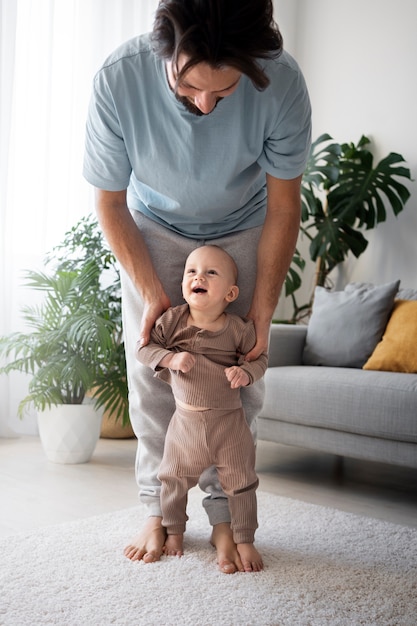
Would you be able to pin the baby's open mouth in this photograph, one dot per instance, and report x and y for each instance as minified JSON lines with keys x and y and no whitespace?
{"x":199,"y":290}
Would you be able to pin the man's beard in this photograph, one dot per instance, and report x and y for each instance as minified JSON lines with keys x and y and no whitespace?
{"x":191,"y":108}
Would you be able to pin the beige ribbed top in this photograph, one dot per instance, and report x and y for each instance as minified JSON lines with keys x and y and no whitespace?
{"x":206,"y":383}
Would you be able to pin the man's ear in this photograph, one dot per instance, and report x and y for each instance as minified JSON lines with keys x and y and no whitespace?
{"x":232,"y":294}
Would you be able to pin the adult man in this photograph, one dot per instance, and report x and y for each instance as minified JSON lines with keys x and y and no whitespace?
{"x":198,"y":133}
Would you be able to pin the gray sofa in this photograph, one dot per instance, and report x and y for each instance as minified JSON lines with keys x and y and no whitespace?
{"x":347,"y":411}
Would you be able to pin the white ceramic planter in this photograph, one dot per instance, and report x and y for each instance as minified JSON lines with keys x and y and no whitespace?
{"x":69,"y":432}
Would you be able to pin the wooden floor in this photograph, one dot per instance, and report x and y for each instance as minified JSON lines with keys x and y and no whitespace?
{"x":35,"y":492}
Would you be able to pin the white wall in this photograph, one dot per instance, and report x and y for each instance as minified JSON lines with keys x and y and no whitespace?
{"x":359,"y":60}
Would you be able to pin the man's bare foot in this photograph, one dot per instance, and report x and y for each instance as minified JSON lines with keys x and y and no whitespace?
{"x":228,"y":558}
{"x":251,"y":559}
{"x":174,"y":545}
{"x":148,"y":545}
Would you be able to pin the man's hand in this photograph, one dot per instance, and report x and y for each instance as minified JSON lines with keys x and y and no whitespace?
{"x":237,"y":377}
{"x":151,"y":312}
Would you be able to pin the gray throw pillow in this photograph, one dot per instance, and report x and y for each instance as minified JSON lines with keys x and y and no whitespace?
{"x":407,"y":294}
{"x":345,"y":326}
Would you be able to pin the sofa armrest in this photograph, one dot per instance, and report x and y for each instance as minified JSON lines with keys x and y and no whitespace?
{"x":286,"y":344}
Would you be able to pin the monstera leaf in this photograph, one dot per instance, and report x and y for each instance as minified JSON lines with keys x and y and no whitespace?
{"x":363,"y":191}
{"x":343,"y":192}
{"x":293,"y":278}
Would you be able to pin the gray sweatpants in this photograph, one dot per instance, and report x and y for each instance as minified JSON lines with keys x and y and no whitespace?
{"x":150,"y":400}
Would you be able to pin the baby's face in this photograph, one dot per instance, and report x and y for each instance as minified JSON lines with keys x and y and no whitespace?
{"x":209,"y":278}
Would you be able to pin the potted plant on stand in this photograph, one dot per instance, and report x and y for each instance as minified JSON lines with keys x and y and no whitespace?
{"x":73,"y":347}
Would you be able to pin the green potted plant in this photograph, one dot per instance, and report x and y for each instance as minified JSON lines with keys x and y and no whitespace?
{"x":343,"y":193}
{"x":81,"y":244}
{"x":73,"y":349}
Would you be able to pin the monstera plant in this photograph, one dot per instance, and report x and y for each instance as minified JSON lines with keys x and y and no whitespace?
{"x":343,"y":194}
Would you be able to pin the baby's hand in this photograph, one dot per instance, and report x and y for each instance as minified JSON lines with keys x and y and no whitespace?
{"x":181,"y":361}
{"x":237,"y":377}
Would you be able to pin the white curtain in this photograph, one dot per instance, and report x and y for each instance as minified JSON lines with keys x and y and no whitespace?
{"x":49,"y":52}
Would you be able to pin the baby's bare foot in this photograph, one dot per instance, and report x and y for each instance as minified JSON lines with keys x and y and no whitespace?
{"x":251,"y":559}
{"x":174,"y":545}
{"x":148,"y":545}
{"x":228,"y":558}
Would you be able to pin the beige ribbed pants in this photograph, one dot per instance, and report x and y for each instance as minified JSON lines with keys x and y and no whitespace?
{"x":196,"y":440}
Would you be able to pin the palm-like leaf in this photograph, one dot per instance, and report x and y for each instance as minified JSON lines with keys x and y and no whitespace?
{"x":74,"y":343}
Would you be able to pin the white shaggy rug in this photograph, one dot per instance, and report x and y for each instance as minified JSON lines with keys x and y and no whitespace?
{"x":321,"y":567}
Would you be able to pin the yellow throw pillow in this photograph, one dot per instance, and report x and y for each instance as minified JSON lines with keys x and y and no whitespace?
{"x":397,"y":350}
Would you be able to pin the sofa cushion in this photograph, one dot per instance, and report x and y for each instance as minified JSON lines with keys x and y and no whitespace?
{"x":346,"y":326}
{"x":397,"y":350}
{"x":376,"y":404}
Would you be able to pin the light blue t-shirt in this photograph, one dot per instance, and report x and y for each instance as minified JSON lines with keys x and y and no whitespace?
{"x":202,"y":177}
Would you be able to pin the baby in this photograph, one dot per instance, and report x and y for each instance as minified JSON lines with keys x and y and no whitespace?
{"x":199,"y":350}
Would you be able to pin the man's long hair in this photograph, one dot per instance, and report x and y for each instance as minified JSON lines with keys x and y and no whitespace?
{"x":221,"y":33}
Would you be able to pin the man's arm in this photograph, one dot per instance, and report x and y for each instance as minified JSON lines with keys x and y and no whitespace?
{"x":275,"y":251}
{"x":129,"y":248}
